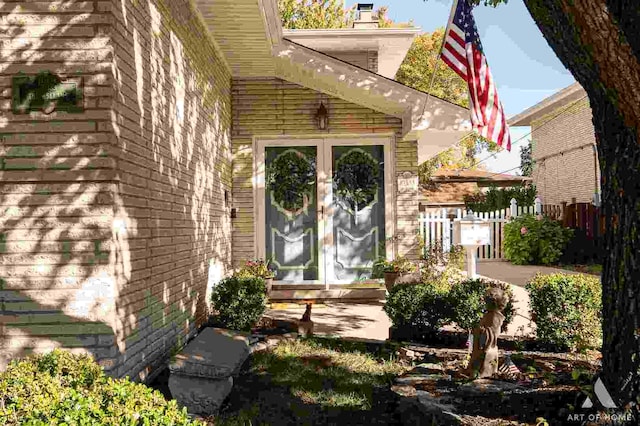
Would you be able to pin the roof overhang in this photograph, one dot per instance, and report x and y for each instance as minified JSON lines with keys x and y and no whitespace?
{"x":548,"y":105}
{"x":391,"y":44}
{"x":274,"y":56}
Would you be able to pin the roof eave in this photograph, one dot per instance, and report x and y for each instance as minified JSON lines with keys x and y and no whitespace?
{"x":547,"y":105}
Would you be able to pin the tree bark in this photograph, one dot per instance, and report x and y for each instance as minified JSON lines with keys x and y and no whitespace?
{"x":599,"y":42}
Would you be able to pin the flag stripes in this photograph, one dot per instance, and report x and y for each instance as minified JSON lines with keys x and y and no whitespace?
{"x":462,"y":52}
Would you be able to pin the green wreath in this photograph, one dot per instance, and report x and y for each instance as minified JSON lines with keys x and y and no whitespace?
{"x":290,"y":176}
{"x":356,"y":178}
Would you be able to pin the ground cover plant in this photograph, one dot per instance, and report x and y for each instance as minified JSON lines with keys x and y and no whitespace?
{"x":66,"y":389}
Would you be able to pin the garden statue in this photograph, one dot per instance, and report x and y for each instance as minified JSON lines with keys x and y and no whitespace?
{"x":305,"y":325}
{"x":484,"y":356}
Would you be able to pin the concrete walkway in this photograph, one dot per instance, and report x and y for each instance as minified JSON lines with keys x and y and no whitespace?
{"x":518,"y":276}
{"x":369,"y":321}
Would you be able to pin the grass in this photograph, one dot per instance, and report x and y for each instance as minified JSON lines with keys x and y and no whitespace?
{"x":318,"y":380}
{"x":328,"y":372}
{"x":593,"y":269}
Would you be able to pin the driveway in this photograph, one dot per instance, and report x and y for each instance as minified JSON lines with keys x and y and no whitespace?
{"x":518,"y":276}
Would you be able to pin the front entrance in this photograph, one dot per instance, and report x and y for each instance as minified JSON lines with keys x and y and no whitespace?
{"x":323,"y":208}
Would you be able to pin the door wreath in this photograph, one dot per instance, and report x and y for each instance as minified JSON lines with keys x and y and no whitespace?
{"x":290,"y":176}
{"x":356,"y":178}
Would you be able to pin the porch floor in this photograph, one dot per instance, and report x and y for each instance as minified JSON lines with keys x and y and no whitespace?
{"x":359,"y":320}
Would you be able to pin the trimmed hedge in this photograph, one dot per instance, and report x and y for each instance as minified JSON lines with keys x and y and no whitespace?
{"x":422,"y":307}
{"x":66,"y":389}
{"x":239,"y":301}
{"x":567,"y":310}
{"x":468,"y":305}
{"x":428,"y":307}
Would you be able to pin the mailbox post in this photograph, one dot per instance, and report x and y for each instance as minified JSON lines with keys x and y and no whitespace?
{"x":474,"y":232}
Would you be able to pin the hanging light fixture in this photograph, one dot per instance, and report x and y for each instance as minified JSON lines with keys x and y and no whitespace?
{"x":321,"y":117}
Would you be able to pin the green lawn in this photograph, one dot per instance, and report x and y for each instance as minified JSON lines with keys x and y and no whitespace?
{"x":315,"y":381}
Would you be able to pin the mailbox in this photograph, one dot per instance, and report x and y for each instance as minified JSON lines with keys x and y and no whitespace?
{"x":474,"y":232}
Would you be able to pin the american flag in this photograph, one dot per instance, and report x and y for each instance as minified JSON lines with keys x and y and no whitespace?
{"x":462,"y":51}
{"x":508,"y":367}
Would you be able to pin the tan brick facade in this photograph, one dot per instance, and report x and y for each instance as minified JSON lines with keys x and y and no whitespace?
{"x":566,"y":163}
{"x":112,"y":217}
{"x":267,"y":107}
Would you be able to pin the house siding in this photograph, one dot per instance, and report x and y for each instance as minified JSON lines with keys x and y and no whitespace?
{"x":565,"y":167}
{"x":367,"y":59}
{"x":268,"y":107}
{"x":151,"y":159}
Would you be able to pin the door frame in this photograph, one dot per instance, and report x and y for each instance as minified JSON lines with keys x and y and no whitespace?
{"x":324,"y":190}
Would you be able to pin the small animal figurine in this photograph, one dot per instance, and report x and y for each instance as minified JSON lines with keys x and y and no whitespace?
{"x":305,"y":325}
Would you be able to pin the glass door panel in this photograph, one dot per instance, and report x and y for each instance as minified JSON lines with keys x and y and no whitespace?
{"x":357,"y":211}
{"x":291,"y":206}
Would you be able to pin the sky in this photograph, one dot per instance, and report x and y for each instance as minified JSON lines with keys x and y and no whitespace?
{"x":524,"y":67}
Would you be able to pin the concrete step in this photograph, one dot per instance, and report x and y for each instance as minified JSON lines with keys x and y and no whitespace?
{"x":317,"y":295}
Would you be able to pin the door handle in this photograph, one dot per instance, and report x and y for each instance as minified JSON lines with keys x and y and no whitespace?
{"x":321,"y":211}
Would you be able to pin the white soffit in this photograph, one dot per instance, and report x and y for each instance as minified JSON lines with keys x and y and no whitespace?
{"x":250,"y":34}
{"x":433,"y":142}
{"x":242,"y":33}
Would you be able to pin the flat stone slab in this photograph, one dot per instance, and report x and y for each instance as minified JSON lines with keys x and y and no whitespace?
{"x":481,"y":387}
{"x":200,"y":395}
{"x":213,"y":354}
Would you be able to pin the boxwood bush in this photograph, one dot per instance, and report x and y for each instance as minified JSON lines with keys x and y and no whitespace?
{"x":528,"y":240}
{"x":467,"y":302}
{"x":66,"y":389}
{"x":239,"y":302}
{"x":567,"y":310}
{"x":422,"y":307}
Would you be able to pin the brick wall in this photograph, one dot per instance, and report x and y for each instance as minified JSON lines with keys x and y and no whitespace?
{"x":562,"y":148}
{"x":57,"y":184}
{"x":132,"y":216}
{"x":266,"y":107}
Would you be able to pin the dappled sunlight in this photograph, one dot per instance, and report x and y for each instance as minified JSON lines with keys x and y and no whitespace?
{"x":312,"y":69}
{"x":79,"y":236}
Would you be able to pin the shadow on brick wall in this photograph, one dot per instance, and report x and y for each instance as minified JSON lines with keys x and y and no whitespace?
{"x":112,"y":215}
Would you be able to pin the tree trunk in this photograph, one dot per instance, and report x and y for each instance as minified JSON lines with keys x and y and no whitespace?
{"x":599,"y":42}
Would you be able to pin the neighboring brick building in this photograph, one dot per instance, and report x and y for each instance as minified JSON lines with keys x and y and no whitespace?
{"x":118,"y":219}
{"x":563,"y":147}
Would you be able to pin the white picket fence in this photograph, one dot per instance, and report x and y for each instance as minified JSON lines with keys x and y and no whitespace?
{"x":439,"y":227}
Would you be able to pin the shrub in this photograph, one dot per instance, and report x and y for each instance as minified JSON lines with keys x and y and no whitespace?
{"x":256,"y":268}
{"x":468,"y":304}
{"x":62,"y":388}
{"x":567,"y":310}
{"x":422,"y":307}
{"x":528,"y":240}
{"x":400,"y":264}
{"x":500,"y":198}
{"x":239,"y":302}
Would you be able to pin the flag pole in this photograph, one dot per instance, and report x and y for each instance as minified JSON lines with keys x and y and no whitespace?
{"x":437,"y":62}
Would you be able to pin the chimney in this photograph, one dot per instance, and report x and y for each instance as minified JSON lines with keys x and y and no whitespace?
{"x":365,"y":16}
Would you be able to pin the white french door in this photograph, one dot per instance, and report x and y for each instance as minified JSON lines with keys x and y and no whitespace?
{"x":324,"y":231}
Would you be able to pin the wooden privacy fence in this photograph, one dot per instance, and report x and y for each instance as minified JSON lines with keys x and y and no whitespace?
{"x":439,"y":228}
